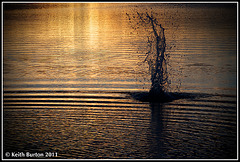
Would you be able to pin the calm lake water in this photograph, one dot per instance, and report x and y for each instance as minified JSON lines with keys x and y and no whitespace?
{"x":68,"y":70}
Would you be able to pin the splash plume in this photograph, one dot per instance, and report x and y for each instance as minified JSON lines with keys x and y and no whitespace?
{"x":156,"y":57}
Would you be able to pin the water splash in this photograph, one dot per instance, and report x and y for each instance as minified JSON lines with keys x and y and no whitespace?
{"x":157,"y":62}
{"x":156,"y":57}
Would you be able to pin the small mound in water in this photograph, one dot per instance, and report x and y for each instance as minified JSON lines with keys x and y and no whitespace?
{"x":164,"y":97}
{"x":148,"y":97}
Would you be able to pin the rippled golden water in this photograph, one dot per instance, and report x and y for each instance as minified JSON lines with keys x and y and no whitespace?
{"x":68,"y":70}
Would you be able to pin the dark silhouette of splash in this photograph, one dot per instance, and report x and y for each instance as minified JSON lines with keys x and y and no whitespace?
{"x":156,"y":59}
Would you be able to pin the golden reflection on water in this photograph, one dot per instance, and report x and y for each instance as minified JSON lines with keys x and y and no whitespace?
{"x":70,"y":42}
{"x":96,"y":41}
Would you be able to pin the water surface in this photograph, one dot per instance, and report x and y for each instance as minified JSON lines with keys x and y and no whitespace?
{"x":68,"y":70}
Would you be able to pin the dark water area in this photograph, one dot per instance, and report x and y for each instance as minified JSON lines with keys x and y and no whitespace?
{"x":75,"y":84}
